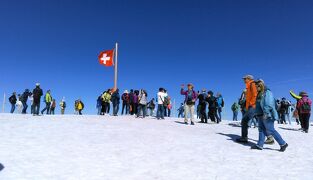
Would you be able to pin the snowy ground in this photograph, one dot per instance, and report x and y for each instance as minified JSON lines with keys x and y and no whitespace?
{"x":93,"y":147}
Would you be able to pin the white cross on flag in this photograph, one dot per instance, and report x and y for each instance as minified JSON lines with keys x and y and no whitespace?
{"x":106,"y":57}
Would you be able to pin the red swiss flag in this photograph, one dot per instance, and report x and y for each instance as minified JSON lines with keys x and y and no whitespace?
{"x":106,"y":57}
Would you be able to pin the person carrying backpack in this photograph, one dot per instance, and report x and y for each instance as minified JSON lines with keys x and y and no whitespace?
{"x":80,"y":106}
{"x":62,"y":106}
{"x":13,"y":100}
{"x":304,"y":110}
{"x":24,"y":99}
{"x":151,"y":106}
{"x":235,"y":108}
{"x":251,"y":94}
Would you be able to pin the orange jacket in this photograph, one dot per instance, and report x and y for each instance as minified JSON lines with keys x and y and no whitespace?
{"x":251,"y":94}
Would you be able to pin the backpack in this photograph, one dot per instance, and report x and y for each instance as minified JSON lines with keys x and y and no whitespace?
{"x":305,"y":106}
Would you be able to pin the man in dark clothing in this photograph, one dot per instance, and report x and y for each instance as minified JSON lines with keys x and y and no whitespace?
{"x":37,"y":93}
{"x":24,"y":99}
{"x":125,"y":99}
{"x":115,"y":98}
{"x":212,"y":106}
{"x":131,"y":102}
{"x":202,"y":104}
{"x":284,"y":105}
{"x":13,"y":100}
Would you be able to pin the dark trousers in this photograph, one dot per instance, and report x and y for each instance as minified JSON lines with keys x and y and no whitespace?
{"x":160,"y":111}
{"x":213,"y":114}
{"x":12,"y":108}
{"x":115,"y":109}
{"x":143,"y":108}
{"x":80,"y":112}
{"x":36,"y":107}
{"x":165,"y":111}
{"x":168,"y":112}
{"x":305,"y":121}
{"x":46,"y":108}
{"x":25,"y":106}
{"x":52,"y":110}
{"x":126,"y":107}
{"x":245,"y":121}
{"x":203,"y":115}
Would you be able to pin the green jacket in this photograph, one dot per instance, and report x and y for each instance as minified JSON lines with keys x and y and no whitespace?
{"x":48,"y":98}
{"x":235,"y":107}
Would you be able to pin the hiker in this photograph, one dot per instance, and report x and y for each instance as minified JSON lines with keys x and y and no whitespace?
{"x":202,"y":104}
{"x":125,"y":99}
{"x":24,"y":99}
{"x":53,"y":105}
{"x":99,"y":105}
{"x":266,"y":114}
{"x":181,"y":110}
{"x":63,"y":106}
{"x":251,"y":94}
{"x":12,"y":100}
{"x":115,"y":99}
{"x":160,"y":96}
{"x":19,"y":104}
{"x":284,"y":105}
{"x":37,"y":93}
{"x":80,"y":106}
{"x":190,"y":100}
{"x":131,"y":102}
{"x":106,"y":98}
{"x":135,"y":101}
{"x":220,"y":105}
{"x":235,"y":108}
{"x":212,"y":107}
{"x":142,"y":98}
{"x":304,"y":110}
{"x":151,"y":106}
{"x":169,"y":106}
{"x":47,"y":100}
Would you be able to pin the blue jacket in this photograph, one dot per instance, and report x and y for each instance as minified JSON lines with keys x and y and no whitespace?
{"x":220,"y":102}
{"x":266,"y":105}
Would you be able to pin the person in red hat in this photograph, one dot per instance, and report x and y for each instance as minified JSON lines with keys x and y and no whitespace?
{"x":304,"y":110}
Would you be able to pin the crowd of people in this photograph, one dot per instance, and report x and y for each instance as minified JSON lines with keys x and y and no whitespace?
{"x":256,"y":103}
{"x":19,"y":101}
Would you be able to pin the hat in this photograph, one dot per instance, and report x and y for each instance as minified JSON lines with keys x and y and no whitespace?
{"x":259,"y":81}
{"x":37,"y":84}
{"x":126,"y":91}
{"x":203,"y":90}
{"x":248,"y":77}
{"x":189,"y":84}
{"x":302,"y":93}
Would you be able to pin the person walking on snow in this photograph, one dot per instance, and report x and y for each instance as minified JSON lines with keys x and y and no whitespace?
{"x":251,"y":94}
{"x":190,"y":100}
{"x":266,"y":114}
{"x":304,"y":109}
{"x":47,"y":100}
{"x":235,"y":108}
{"x":12,"y":100}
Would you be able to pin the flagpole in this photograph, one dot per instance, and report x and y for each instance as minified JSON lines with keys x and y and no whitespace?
{"x":115,"y":67}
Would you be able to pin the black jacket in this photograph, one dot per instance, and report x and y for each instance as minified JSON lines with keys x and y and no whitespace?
{"x":37,"y":93}
{"x":12,"y":99}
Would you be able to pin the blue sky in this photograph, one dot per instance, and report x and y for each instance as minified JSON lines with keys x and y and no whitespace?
{"x":161,"y":44}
